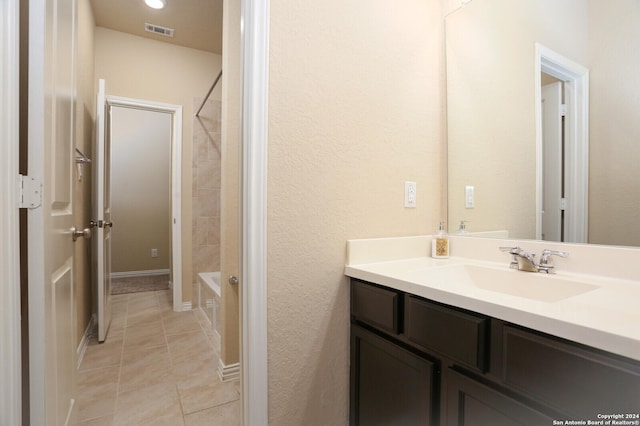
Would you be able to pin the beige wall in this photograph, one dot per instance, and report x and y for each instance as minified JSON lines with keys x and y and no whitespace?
{"x":230,"y":184}
{"x":85,"y":115}
{"x":355,"y":109}
{"x":491,"y":105}
{"x":614,"y":191}
{"x":140,"y":189}
{"x":139,"y":68}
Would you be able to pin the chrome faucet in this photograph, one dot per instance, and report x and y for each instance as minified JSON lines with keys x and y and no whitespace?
{"x":525,"y":261}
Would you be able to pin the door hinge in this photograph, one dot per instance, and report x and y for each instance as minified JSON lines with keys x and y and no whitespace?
{"x":29,"y":192}
{"x":563,"y":203}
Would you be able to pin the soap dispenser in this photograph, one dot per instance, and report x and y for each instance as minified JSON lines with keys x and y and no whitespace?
{"x":462,"y":228}
{"x":440,"y":243}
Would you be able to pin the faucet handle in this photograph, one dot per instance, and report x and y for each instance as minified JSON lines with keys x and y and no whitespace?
{"x":546,"y":254}
{"x":512,"y":250}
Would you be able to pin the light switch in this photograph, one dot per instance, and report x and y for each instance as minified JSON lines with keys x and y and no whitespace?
{"x":469,"y":197}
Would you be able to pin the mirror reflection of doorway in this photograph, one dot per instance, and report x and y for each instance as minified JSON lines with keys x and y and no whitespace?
{"x":141,"y":199}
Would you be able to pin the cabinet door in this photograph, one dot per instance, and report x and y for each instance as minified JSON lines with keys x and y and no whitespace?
{"x":575,"y":380}
{"x":389,"y":385}
{"x":472,"y":403}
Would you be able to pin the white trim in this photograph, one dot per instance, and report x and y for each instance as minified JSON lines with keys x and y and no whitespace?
{"x":82,"y":347}
{"x":255,"y":89}
{"x":228,"y":372}
{"x":186,"y":306}
{"x":147,"y":273}
{"x":10,"y":352}
{"x":576,"y":78}
{"x":176,"y":183}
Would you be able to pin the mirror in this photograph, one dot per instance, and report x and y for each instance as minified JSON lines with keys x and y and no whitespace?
{"x":494,"y":125}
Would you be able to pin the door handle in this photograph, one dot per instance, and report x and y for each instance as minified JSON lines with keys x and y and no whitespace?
{"x":85,"y":233}
{"x":233,"y":280}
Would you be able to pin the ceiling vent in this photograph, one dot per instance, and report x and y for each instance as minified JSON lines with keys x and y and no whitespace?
{"x":156,"y":29}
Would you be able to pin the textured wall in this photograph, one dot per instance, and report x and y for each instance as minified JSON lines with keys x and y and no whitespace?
{"x":355,"y":109}
{"x":136,"y":67}
{"x":140,"y":189}
{"x":205,"y":214}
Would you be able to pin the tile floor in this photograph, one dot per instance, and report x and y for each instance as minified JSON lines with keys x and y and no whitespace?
{"x":157,"y":367}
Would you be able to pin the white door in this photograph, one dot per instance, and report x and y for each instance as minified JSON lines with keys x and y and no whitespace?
{"x":552,"y":162}
{"x":51,"y":117}
{"x":102,"y":213}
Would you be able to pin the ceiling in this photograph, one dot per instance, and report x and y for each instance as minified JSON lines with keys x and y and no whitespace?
{"x":197,"y":23}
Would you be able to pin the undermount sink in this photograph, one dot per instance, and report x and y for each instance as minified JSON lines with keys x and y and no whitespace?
{"x":529,"y":285}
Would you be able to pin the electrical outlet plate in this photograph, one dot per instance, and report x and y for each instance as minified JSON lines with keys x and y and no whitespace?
{"x":410,"y":194}
{"x":154,"y":252}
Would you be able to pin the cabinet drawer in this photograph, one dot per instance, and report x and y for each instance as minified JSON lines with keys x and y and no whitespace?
{"x":573,"y":379}
{"x":461,"y":336}
{"x":377,"y":306}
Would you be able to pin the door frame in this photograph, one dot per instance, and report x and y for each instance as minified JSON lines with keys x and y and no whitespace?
{"x":255,"y":44}
{"x":10,"y":367}
{"x":576,"y":78}
{"x":253,"y":293}
{"x":176,"y":182}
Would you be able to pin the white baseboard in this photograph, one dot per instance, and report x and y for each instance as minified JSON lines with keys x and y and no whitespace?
{"x":228,"y":372}
{"x":187,"y":306}
{"x":147,"y":273}
{"x":84,"y":342}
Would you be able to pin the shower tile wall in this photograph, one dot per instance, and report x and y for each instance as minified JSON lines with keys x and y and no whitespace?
{"x":206,"y":188}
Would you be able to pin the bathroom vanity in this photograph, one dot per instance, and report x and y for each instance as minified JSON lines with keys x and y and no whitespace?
{"x":430,"y":346}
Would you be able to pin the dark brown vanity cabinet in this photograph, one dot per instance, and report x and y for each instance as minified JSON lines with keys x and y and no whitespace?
{"x":418,"y":362}
{"x":390,"y":385}
{"x":471,"y":402}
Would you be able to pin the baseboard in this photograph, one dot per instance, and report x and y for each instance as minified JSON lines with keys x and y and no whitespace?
{"x":187,"y":306}
{"x":84,"y":342}
{"x":228,"y":372}
{"x":147,"y":273}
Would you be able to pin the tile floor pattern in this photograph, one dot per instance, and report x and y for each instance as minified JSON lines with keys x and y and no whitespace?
{"x":157,"y":367}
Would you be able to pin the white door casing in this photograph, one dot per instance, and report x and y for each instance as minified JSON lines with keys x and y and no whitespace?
{"x":10,"y":367}
{"x":255,"y":118}
{"x":101,"y":222}
{"x":52,"y":92}
{"x":576,"y":136}
{"x":176,"y":182}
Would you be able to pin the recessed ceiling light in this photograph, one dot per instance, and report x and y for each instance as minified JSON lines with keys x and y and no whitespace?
{"x":156,"y":4}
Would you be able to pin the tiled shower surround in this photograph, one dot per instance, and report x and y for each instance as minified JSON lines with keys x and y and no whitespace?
{"x":206,"y":188}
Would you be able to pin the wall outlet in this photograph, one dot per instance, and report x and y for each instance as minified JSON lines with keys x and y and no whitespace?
{"x":154,"y":252}
{"x":410,"y":194}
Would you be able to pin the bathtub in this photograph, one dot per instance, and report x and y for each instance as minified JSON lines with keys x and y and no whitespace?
{"x":209,"y":303}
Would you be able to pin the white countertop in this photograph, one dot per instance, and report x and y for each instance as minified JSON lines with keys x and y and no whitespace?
{"x":607,"y":317}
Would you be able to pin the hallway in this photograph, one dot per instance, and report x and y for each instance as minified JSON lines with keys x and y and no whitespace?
{"x":157,"y":367}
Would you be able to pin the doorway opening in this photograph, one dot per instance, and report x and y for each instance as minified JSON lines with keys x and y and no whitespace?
{"x":572,"y":158}
{"x":163,"y":122}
